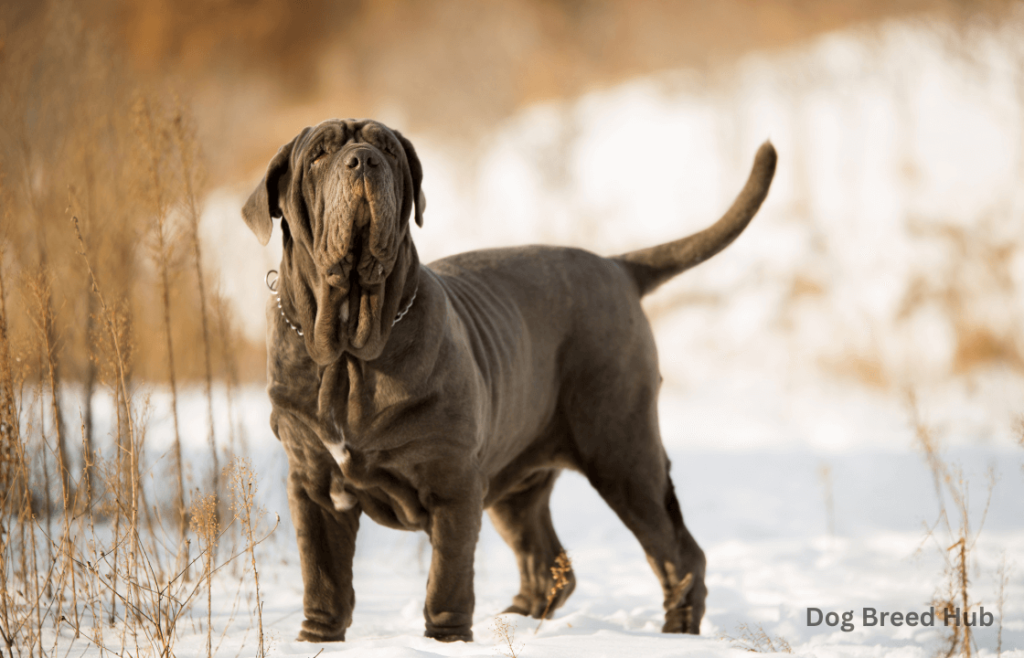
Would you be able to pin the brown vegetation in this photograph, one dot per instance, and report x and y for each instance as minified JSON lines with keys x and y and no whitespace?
{"x":259,"y":69}
{"x":560,"y":571}
{"x":98,"y":303}
{"x":505,"y":634}
{"x":100,"y":570}
{"x":71,"y":144}
{"x":978,"y":260}
{"x":955,"y":538}
{"x":757,"y":640}
{"x":110,"y":575}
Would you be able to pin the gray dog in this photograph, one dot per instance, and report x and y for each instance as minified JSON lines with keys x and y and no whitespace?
{"x":423,"y":395}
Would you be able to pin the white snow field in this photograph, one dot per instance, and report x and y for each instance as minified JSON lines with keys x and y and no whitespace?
{"x":890,"y":234}
{"x":757,"y":505}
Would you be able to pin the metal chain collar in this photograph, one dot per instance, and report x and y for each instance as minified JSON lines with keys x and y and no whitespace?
{"x":272,"y":284}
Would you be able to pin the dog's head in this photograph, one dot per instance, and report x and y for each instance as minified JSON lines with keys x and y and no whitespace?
{"x":345,"y":191}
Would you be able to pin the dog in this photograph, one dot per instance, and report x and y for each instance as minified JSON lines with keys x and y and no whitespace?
{"x":422,"y":395}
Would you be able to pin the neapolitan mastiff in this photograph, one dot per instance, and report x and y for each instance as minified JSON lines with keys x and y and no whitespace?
{"x":423,"y":395}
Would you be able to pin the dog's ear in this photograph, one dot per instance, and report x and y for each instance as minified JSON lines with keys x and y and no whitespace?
{"x":416,"y":172}
{"x":264,"y":203}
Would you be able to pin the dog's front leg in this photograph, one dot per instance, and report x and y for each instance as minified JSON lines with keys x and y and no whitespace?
{"x":327,"y":542}
{"x":326,"y":533}
{"x":454,"y":529}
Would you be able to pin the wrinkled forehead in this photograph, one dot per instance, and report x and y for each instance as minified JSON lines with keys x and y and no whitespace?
{"x":336,"y":133}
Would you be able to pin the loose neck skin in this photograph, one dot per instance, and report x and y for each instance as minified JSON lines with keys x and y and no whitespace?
{"x":355,"y":393}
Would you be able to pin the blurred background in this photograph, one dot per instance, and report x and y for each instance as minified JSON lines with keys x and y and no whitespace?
{"x":886,"y":259}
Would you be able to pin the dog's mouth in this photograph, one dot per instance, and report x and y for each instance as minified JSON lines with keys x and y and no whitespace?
{"x":356,"y":232}
{"x":352,"y":292}
{"x":359,"y":279}
{"x":357,"y":312}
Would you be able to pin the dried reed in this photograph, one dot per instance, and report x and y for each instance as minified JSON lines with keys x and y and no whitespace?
{"x":505,"y":634}
{"x":243,"y":505}
{"x":164,"y":244}
{"x":757,"y":640}
{"x":205,"y":525}
{"x":86,"y":550}
{"x":184,"y":138}
{"x":560,"y":574}
{"x":955,"y":538}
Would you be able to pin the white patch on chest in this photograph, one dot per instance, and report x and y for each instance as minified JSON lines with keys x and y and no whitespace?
{"x":338,"y":451}
{"x":343,"y":501}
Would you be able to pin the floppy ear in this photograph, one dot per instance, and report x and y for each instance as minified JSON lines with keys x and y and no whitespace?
{"x":264,"y":203}
{"x":416,"y":171}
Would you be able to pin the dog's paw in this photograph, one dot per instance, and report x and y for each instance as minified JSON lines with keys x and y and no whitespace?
{"x":317,"y":632}
{"x":450,"y":635}
{"x":518,"y":609}
{"x":306,"y":636}
{"x":680,"y":620}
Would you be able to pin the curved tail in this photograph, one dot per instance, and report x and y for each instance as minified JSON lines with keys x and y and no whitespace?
{"x":654,"y":266}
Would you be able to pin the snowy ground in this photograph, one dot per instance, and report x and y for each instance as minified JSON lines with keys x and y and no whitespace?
{"x":756,"y":504}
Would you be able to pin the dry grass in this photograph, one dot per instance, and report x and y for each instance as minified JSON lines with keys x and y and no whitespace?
{"x":205,"y":525}
{"x":84,"y":135}
{"x":954,"y":536}
{"x":757,"y":640}
{"x":85,"y":557}
{"x":978,"y":258}
{"x":1002,"y":580}
{"x":188,"y":151}
{"x":865,"y":368}
{"x":976,"y":293}
{"x":243,"y":485}
{"x":505,"y":635}
{"x":560,"y":571}
{"x":102,"y":302}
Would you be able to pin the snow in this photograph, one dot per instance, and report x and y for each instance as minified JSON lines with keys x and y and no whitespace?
{"x":757,"y":506}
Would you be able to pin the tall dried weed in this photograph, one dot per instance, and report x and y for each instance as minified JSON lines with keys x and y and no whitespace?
{"x":505,"y":635}
{"x":954,"y":536}
{"x":84,"y":553}
{"x":560,"y":571}
{"x":757,"y":640}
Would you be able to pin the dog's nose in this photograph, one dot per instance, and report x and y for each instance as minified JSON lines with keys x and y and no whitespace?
{"x":361,"y":159}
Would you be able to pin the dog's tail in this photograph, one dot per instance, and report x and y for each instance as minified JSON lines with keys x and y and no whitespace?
{"x":654,"y":266}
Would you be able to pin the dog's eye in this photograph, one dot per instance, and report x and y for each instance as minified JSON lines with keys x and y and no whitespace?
{"x":318,"y":156}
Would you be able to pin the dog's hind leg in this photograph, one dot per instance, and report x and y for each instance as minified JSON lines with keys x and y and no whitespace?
{"x":523,"y":519}
{"x":623,"y":458}
{"x":646,"y":502}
